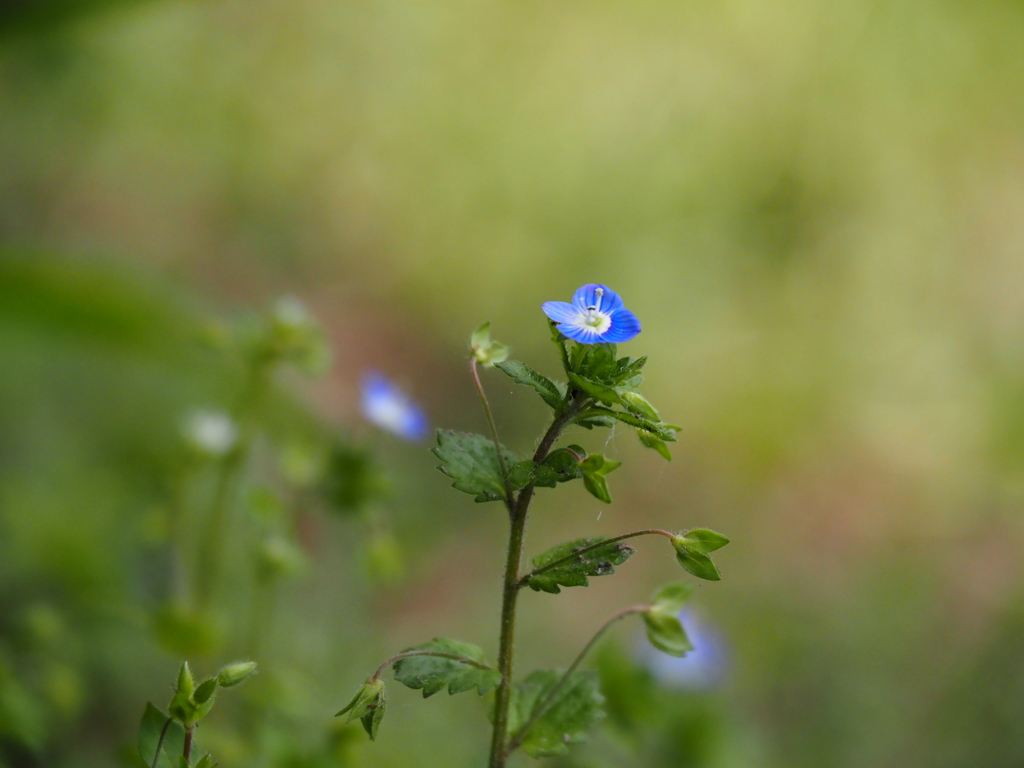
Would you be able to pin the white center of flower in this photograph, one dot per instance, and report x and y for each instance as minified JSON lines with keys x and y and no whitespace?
{"x":595,"y":319}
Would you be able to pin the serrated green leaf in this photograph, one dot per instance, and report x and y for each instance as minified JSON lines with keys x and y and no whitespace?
{"x":526,"y":472}
{"x":595,"y":562}
{"x":471,"y":461}
{"x":433,"y":673}
{"x":576,"y":708}
{"x":603,"y":392}
{"x":150,"y":728}
{"x":704,"y":540}
{"x":525,"y":375}
{"x":664,"y":630}
{"x":367,"y":706}
{"x":654,"y":442}
{"x":597,"y":420}
{"x":595,"y":362}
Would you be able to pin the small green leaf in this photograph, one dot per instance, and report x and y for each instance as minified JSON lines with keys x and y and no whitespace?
{"x":692,"y":555}
{"x":664,"y":630}
{"x":576,"y":708}
{"x":433,"y":673}
{"x":700,"y":565}
{"x":595,"y":562}
{"x":704,"y":540}
{"x":640,"y":405}
{"x":664,"y":431}
{"x":206,"y":761}
{"x":602,"y":392}
{"x":368,"y":706}
{"x":524,"y":374}
{"x":485,"y":351}
{"x":150,"y":728}
{"x":652,"y":441}
{"x":471,"y":461}
{"x":595,"y":468}
{"x":564,"y":462}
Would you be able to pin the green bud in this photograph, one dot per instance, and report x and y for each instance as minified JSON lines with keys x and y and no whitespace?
{"x":182,"y":709}
{"x":368,"y":706}
{"x":640,"y":404}
{"x":206,"y":761}
{"x":664,"y":630}
{"x":693,"y":558}
{"x":205,"y":690}
{"x":595,"y":468}
{"x":185,"y":682}
{"x":233,"y":674}
{"x":485,"y":351}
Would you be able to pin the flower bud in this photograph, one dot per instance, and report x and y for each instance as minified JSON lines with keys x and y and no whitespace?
{"x":485,"y":351}
{"x":205,"y":690}
{"x":368,"y":706}
{"x":233,"y":674}
{"x":185,"y":684}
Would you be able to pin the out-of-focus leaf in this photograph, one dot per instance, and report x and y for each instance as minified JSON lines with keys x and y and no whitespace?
{"x":566,"y":720}
{"x":433,"y":673}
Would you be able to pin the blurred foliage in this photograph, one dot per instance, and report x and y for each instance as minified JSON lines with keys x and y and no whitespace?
{"x":814,"y":208}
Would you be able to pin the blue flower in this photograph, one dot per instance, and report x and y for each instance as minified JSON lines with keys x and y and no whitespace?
{"x":596,"y":314}
{"x":702,"y":668}
{"x":390,"y":408}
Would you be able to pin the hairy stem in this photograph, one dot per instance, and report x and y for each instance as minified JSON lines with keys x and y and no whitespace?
{"x":520,"y":511}
{"x":509,"y":498}
{"x":188,"y":745}
{"x":546,"y":702}
{"x":583,"y":550}
{"x":442,"y":654}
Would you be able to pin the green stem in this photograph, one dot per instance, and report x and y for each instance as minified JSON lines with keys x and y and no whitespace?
{"x":441,"y":654}
{"x":540,"y":709}
{"x":604,"y":542}
{"x":494,"y":433}
{"x":160,"y":742}
{"x":211,"y":552}
{"x":520,"y":511}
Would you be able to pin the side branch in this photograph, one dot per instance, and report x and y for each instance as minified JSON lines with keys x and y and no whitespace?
{"x":509,"y":496}
{"x":604,"y":542}
{"x":540,"y":709}
{"x":442,"y":654}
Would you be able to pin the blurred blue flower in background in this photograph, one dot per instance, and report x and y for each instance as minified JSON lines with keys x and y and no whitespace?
{"x":596,"y":314}
{"x":702,"y":668}
{"x":388,"y":407}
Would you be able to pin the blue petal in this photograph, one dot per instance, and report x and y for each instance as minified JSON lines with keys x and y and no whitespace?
{"x":388,"y":407}
{"x":623,"y":328}
{"x":587,"y":296}
{"x":560,"y":311}
{"x":581,"y":334}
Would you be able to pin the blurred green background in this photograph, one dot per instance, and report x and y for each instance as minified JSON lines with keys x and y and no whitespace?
{"x":815,"y":207}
